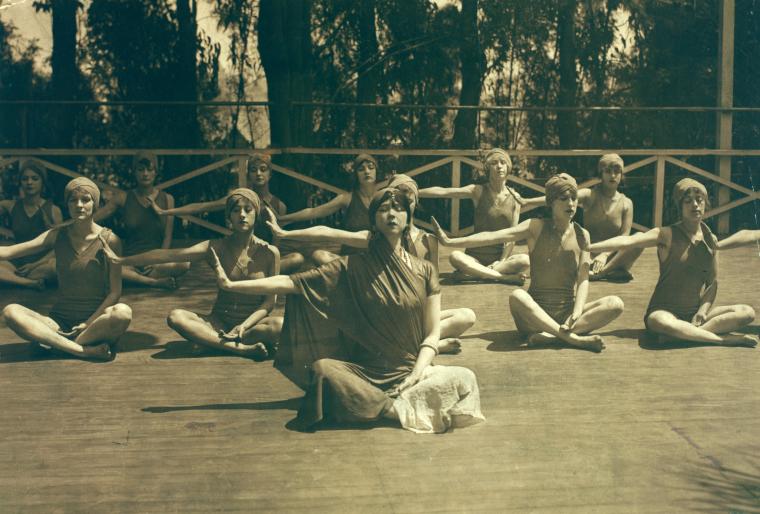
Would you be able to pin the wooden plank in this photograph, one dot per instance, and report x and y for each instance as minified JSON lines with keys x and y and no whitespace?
{"x":427,"y":167}
{"x":659,"y":191}
{"x":724,"y":126}
{"x":456,"y":181}
{"x":8,"y":161}
{"x":206,"y":224}
{"x":710,"y":176}
{"x":196,"y":172}
{"x":730,"y":205}
{"x":307,"y":179}
{"x":72,"y":174}
{"x":242,"y":172}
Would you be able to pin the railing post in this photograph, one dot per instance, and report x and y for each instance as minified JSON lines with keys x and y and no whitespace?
{"x":725,"y":100}
{"x":456,"y":181}
{"x":659,"y":191}
{"x":242,"y":172}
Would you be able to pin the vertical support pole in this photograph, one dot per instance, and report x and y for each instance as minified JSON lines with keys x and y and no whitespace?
{"x":659,"y":191}
{"x":456,"y":181}
{"x":725,"y":100}
{"x":242,"y":172}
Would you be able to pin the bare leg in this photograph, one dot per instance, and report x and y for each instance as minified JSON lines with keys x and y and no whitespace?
{"x":622,"y":260}
{"x":530,"y":317}
{"x":266,"y":331}
{"x":469,"y":266}
{"x":515,"y":264}
{"x":727,"y":318}
{"x":8,"y":275}
{"x":666,"y":324}
{"x":323,"y":257}
{"x":36,"y":328}
{"x":291,"y":262}
{"x":596,"y":315}
{"x":169,"y":269}
{"x":454,"y":322}
{"x":129,"y":274}
{"x":198,"y":330}
{"x":108,"y":327}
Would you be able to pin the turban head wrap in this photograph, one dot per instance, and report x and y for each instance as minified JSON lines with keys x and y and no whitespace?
{"x":395,"y":196}
{"x":557,"y":185}
{"x":363,"y":157}
{"x":500,"y":152}
{"x":245,"y":193}
{"x":84,"y":184}
{"x":402,"y":182}
{"x":683,"y":186}
{"x":608,"y":160}
{"x":259,"y":158}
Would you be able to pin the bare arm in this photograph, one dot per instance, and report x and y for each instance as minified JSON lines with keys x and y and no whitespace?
{"x":639,"y":240}
{"x":277,"y":284}
{"x":741,"y":238}
{"x":192,"y":208}
{"x":506,"y":235}
{"x":114,"y":281}
{"x":321,"y":211}
{"x":192,"y":253}
{"x":433,"y":249}
{"x":115,"y":203}
{"x":429,"y":345}
{"x":6,"y":206}
{"x":581,"y":291}
{"x":536,"y":201}
{"x":168,"y":223}
{"x":467,"y":191}
{"x":266,"y":307}
{"x":507,"y":249}
{"x":41,"y":243}
{"x":321,"y":234}
{"x":57,"y":215}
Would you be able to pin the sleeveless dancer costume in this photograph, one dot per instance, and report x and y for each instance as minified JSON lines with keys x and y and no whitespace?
{"x":230,"y":309}
{"x":355,"y":218}
{"x":492,"y":213}
{"x":687,"y":269}
{"x":600,"y":225}
{"x":144,"y":229}
{"x":554,"y":271}
{"x":25,"y":228}
{"x":83,"y":279}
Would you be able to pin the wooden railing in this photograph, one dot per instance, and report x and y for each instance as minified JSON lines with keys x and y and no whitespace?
{"x":452,"y":160}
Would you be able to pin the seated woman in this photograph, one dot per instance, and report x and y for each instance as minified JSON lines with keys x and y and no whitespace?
{"x":421,"y":244}
{"x":258,"y":177}
{"x":386,"y":303}
{"x":145,"y":229}
{"x":608,"y":213}
{"x":355,"y":203}
{"x":554,"y":307}
{"x":497,"y":206}
{"x":30,"y":216}
{"x":86,"y":318}
{"x":238,"y":323}
{"x":681,"y":306}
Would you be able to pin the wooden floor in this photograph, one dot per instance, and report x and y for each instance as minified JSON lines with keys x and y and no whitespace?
{"x":162,"y":429}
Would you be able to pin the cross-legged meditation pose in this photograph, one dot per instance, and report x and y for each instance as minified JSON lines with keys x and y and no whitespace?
{"x":355,"y":203}
{"x":681,"y":306}
{"x":30,"y":216}
{"x":421,"y":244}
{"x":144,"y":228}
{"x":239,"y":323}
{"x":497,"y":206}
{"x":386,"y":303}
{"x":86,"y":318}
{"x":608,"y":213}
{"x":555,"y":306}
{"x":259,"y":173}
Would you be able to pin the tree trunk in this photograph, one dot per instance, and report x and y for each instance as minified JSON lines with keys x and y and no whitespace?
{"x":367,"y":82}
{"x":471,"y":65}
{"x":187,"y":81}
{"x":65,"y":78}
{"x":566,"y":47}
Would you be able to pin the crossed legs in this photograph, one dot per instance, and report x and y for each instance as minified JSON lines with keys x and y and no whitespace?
{"x":715,"y":330}
{"x":512,"y":270}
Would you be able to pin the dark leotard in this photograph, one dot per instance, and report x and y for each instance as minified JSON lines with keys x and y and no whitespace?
{"x":144,"y":229}
{"x":231,"y":309}
{"x":83,"y":279}
{"x":355,"y":218}
{"x":492,"y":213}
{"x":25,"y":228}
{"x":554,"y":271}
{"x":687,"y":269}
{"x":598,"y":221}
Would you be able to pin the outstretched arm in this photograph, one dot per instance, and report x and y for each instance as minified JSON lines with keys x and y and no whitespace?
{"x":112,"y":205}
{"x":191,"y":208}
{"x":638,"y":240}
{"x":321,"y":234}
{"x":448,"y":192}
{"x":192,"y":253}
{"x":535,"y":201}
{"x":741,"y":238}
{"x":42,"y":242}
{"x":168,"y":224}
{"x":506,"y":235}
{"x":278,"y":284}
{"x":321,"y":211}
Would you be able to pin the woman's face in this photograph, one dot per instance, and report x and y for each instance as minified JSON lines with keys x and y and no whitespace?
{"x":259,"y":174}
{"x":612,"y":175}
{"x":31,"y":182}
{"x":366,"y":172}
{"x":411,"y":198}
{"x":390,"y":219}
{"x":242,"y":216}
{"x":565,"y":205}
{"x":81,"y":205}
{"x":497,"y":166}
{"x":693,"y":206}
{"x":145,"y":173}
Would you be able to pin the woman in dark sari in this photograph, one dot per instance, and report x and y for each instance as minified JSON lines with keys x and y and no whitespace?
{"x":386,"y":304}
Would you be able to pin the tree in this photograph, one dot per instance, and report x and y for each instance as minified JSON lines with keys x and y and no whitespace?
{"x":471,"y":65}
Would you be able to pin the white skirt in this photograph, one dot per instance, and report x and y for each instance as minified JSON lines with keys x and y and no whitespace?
{"x":446,"y":396}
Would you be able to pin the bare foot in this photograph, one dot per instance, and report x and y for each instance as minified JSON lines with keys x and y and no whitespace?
{"x":515,"y":279}
{"x":39,"y":284}
{"x":541,"y":338}
{"x":256,"y":351}
{"x":450,"y":345}
{"x":744,"y":340}
{"x":593,"y":343}
{"x":100,"y":352}
{"x":168,"y":283}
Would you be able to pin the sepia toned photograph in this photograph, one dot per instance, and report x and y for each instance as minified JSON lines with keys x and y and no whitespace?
{"x":379,"y":256}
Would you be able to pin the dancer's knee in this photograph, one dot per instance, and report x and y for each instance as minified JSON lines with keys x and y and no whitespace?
{"x":12,"y":313}
{"x":746,"y":314}
{"x":324,"y":367}
{"x":615,"y":305}
{"x":466,"y":316}
{"x":120,"y":312}
{"x":176,"y":319}
{"x":457,"y":259}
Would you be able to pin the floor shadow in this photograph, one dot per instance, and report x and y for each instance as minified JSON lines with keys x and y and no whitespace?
{"x":625,"y":333}
{"x":136,"y":341}
{"x":187,"y":350}
{"x":289,"y":404}
{"x":28,"y":352}
{"x":324,"y":426}
{"x":509,"y":341}
{"x":649,"y":341}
